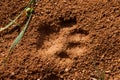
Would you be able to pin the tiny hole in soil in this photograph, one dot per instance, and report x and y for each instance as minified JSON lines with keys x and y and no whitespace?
{"x":62,"y":55}
{"x":73,"y":44}
{"x":69,"y":22}
{"x":80,"y":31}
{"x":97,"y":63}
{"x":76,"y":58}
{"x":12,"y":77}
{"x":53,"y":77}
{"x":62,"y":72}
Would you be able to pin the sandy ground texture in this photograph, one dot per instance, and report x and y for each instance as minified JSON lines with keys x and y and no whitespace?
{"x":66,"y":40}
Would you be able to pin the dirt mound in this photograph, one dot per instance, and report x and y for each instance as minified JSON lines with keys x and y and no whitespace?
{"x":66,"y":40}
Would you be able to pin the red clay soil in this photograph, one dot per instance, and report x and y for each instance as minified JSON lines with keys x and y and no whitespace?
{"x":66,"y":40}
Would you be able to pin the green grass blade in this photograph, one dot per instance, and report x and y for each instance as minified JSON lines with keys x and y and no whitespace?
{"x":103,"y":75}
{"x":10,"y":23}
{"x":14,"y":21}
{"x":18,"y":38}
{"x":32,"y":1}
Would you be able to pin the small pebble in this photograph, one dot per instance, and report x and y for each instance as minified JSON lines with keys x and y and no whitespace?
{"x":108,"y":71}
{"x":12,"y":73}
{"x":64,"y":1}
{"x":66,"y":70}
{"x":93,"y":79}
{"x":26,"y":71}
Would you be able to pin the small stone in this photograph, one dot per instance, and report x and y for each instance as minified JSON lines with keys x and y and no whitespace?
{"x":42,"y":12}
{"x":93,"y":79}
{"x":107,"y":72}
{"x":64,"y":1}
{"x":12,"y":73}
{"x":66,"y":70}
{"x":26,"y":71}
{"x":47,"y":11}
{"x":61,"y":76}
{"x":2,"y":54}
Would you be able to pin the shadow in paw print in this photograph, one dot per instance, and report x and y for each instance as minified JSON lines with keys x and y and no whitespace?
{"x":44,"y":31}
{"x":53,"y":77}
{"x":73,"y":44}
{"x":69,"y":22}
{"x":79,"y":31}
{"x":62,"y":54}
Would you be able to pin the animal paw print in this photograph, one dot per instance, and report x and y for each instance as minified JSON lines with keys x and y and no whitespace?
{"x":77,"y":41}
{"x":68,"y":43}
{"x":75,"y":44}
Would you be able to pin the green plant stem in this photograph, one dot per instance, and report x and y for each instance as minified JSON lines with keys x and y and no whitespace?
{"x":17,"y":39}
{"x":11,"y":23}
{"x":32,"y":2}
{"x":29,"y":11}
{"x":20,"y":35}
